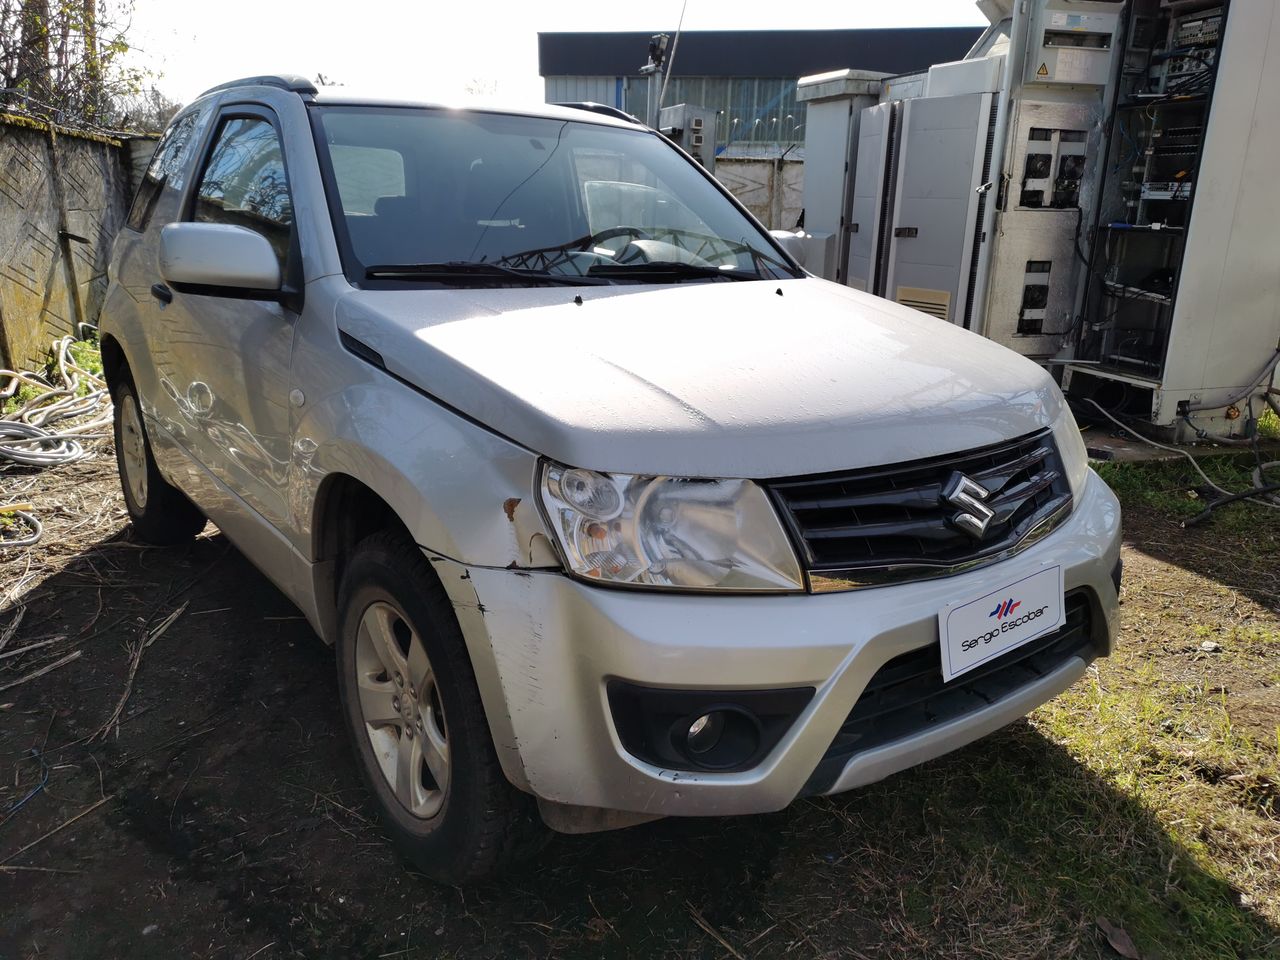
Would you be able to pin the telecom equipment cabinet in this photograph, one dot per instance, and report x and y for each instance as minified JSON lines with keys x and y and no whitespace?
{"x":834,"y":104}
{"x":694,"y":128}
{"x":1179,"y":319}
{"x":1094,"y":187}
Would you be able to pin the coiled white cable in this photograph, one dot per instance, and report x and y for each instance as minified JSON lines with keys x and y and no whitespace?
{"x":32,"y":446}
{"x":27,"y":435}
{"x":33,"y":525}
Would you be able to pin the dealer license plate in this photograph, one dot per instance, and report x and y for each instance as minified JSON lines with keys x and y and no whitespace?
{"x":975,"y":631}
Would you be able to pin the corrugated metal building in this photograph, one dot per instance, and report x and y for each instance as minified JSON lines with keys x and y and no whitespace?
{"x":748,"y":76}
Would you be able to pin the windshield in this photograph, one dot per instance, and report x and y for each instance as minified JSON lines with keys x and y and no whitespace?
{"x":444,"y":196}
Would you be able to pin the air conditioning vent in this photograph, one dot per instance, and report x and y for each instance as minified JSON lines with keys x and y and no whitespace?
{"x":696,"y":123}
{"x":936,"y":303}
{"x":697,"y":139}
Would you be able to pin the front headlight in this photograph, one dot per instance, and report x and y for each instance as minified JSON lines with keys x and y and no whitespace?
{"x":1075,"y":459}
{"x":668,"y":531}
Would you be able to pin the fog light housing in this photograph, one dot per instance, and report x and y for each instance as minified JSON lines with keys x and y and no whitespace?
{"x":724,"y":738}
{"x":709,"y":730}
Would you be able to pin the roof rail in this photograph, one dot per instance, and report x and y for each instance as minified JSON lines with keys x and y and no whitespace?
{"x":285,"y":81}
{"x":602,"y":108}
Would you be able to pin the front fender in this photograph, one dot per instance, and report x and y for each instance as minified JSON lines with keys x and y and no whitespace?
{"x":463,"y":492}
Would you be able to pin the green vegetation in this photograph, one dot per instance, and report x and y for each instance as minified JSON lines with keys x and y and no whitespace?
{"x":84,"y":353}
{"x":1269,"y":426}
{"x":26,"y":393}
{"x":1180,"y":728}
{"x":1200,"y":797}
{"x":1172,"y":488}
{"x":87,"y":355}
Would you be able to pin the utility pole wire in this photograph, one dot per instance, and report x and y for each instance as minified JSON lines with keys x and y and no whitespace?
{"x":671,"y":60}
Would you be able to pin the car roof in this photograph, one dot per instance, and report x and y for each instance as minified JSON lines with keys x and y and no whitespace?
{"x":327,"y":96}
{"x":356,"y":96}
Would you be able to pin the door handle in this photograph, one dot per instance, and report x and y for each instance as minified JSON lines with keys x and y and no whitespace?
{"x":162,"y":293}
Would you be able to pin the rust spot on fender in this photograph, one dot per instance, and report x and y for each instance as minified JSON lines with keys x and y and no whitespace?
{"x":509,"y":507}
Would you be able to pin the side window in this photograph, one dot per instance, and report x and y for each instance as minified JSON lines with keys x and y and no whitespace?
{"x":244,"y":182}
{"x":168,"y":165}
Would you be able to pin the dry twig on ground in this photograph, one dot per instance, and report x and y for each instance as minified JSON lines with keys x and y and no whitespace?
{"x":135,"y":661}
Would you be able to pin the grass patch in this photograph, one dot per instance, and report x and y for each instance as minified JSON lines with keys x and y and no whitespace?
{"x":1172,"y":749}
{"x":1126,"y":799}
{"x":1175,"y":739}
{"x":1172,"y":489}
{"x":87,"y":355}
{"x":1269,"y":425}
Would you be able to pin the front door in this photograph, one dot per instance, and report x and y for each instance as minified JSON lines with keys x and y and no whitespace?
{"x":230,"y":357}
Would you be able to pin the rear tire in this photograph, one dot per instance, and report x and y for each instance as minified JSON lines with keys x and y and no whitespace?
{"x":413,"y":710}
{"x":160,"y":512}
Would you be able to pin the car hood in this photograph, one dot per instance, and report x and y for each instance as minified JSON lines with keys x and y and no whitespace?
{"x":726,"y":379}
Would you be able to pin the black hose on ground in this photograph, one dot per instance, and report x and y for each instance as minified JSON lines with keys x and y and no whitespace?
{"x":1222,"y":501}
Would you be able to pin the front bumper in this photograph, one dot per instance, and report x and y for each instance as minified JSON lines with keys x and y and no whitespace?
{"x":545,"y":647}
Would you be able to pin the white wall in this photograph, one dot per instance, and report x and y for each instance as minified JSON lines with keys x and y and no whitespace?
{"x":775,"y":196}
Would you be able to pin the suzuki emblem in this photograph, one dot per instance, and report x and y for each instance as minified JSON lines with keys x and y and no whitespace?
{"x":970,"y":497}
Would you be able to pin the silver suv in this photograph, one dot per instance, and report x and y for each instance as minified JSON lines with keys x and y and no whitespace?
{"x":610,"y":511}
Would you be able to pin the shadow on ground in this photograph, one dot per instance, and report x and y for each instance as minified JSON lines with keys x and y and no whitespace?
{"x":235,"y":825}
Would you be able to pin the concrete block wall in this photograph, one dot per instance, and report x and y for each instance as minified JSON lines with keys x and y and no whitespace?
{"x":63,"y":197}
{"x":771,"y":189}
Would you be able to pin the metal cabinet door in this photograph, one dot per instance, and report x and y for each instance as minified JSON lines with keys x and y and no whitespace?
{"x":940,"y":171}
{"x":872,"y":205}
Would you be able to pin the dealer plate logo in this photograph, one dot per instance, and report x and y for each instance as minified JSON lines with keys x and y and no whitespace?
{"x":1004,"y":608}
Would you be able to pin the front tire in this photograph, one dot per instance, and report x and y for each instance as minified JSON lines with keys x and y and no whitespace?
{"x":160,"y":512}
{"x":413,"y":710}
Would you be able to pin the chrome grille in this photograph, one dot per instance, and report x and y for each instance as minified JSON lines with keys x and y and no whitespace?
{"x":887,"y":524}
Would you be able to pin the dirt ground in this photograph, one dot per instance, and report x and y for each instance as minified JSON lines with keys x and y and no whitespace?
{"x":221,"y":815}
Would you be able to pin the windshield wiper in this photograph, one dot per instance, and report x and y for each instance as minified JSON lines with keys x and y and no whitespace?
{"x":461,"y":271}
{"x":668,"y":269}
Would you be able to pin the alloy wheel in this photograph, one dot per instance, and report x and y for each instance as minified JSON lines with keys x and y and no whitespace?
{"x":133,"y":450}
{"x":401,"y":709}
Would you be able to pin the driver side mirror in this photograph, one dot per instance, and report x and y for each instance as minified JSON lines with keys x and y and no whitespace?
{"x":219,"y":260}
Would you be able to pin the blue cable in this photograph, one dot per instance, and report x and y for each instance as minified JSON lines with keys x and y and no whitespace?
{"x":44,"y":779}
